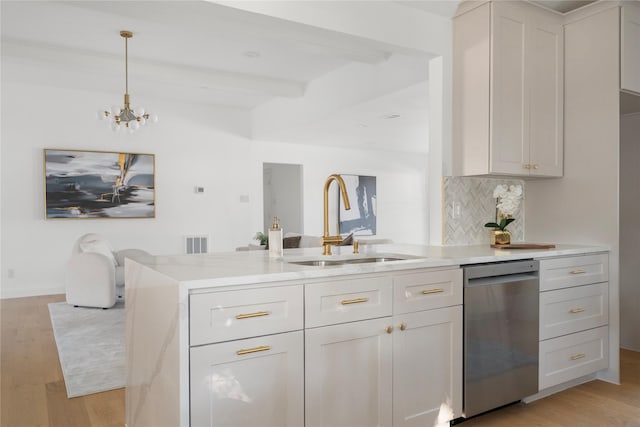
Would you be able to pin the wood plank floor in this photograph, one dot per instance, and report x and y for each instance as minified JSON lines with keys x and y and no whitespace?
{"x":32,"y":391}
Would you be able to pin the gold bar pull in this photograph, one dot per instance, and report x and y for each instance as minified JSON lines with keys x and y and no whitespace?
{"x":576,"y":310}
{"x":250,"y":315}
{"x":578,"y":271}
{"x":353,"y":301}
{"x":432,"y":291}
{"x":253,"y":350}
{"x":578,"y":356}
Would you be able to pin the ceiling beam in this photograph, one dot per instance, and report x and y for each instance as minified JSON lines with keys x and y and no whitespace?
{"x":78,"y":60}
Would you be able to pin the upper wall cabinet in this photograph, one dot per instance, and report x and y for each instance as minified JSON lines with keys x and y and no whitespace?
{"x":508,"y":91}
{"x":630,"y":47}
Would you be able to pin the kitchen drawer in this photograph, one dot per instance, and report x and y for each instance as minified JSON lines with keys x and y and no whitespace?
{"x":340,"y":301}
{"x":426,"y":290}
{"x":558,"y":273}
{"x":231,"y":315}
{"x":573,"y":356}
{"x":565,"y":311}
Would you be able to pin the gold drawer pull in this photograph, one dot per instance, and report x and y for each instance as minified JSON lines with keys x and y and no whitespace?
{"x":403,"y":326}
{"x":432,"y":291}
{"x":250,"y":315}
{"x":353,"y":301}
{"x":388,"y":329}
{"x":576,"y":310}
{"x":578,"y":271}
{"x":253,"y":350}
{"x":578,"y":356}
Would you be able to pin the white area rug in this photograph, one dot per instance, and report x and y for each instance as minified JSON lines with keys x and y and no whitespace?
{"x":91,"y":347}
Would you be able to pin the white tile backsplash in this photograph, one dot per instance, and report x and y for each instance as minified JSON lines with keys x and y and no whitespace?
{"x":469,"y":204}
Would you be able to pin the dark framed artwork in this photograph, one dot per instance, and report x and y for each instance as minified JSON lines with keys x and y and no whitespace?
{"x":361,"y":218}
{"x":99,"y":184}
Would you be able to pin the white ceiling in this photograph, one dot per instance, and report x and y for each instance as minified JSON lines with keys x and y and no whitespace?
{"x":199,"y":51}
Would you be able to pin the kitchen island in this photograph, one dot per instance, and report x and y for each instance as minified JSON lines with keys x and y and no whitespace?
{"x":309,"y":338}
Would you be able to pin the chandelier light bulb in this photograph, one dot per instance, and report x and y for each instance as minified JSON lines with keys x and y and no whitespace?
{"x":127,"y":116}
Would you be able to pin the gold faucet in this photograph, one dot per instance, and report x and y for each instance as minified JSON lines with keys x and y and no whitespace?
{"x":328,"y":240}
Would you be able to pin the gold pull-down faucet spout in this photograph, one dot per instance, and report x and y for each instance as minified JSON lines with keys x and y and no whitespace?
{"x":328,"y":240}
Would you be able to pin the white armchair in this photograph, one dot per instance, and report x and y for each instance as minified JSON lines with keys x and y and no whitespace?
{"x":95,"y":273}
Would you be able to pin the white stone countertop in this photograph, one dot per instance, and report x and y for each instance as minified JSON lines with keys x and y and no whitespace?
{"x":249,"y":267}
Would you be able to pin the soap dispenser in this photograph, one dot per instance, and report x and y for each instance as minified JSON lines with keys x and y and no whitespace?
{"x":275,"y":239}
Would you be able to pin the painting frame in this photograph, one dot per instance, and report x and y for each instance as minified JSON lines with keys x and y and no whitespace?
{"x":93,"y":184}
{"x":361,"y":219}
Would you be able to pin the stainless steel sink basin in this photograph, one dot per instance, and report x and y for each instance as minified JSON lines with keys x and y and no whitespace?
{"x":331,"y":262}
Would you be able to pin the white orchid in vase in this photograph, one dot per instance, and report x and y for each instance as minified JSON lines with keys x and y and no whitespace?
{"x":507,"y":202}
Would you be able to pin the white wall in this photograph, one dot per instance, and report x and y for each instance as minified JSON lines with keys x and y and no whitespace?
{"x":629,"y":231}
{"x":194,"y":145}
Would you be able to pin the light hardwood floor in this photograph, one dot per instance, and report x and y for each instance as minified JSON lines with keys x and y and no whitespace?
{"x":33,"y":391}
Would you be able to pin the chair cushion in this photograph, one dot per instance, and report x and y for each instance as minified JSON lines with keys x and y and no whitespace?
{"x":99,"y":247}
{"x":291,"y":242}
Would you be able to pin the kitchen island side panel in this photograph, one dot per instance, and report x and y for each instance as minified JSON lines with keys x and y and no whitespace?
{"x":152,"y":332}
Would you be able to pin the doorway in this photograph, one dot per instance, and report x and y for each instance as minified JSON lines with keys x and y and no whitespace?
{"x":282,"y":196}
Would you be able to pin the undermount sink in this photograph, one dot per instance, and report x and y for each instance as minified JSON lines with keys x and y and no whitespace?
{"x":347,"y":261}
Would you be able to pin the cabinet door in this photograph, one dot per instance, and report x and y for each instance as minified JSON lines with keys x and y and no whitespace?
{"x":630,"y":57}
{"x":509,"y":151}
{"x":253,"y":382}
{"x":546,"y":93}
{"x":427,"y":367}
{"x":348,"y":375}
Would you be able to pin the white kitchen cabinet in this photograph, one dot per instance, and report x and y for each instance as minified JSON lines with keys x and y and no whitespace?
{"x":572,"y":356}
{"x":427,"y":367}
{"x":630,"y":48}
{"x":508,"y":91}
{"x":348,"y":374}
{"x":574,"y":314}
{"x":256,"y":382}
{"x":409,"y":366}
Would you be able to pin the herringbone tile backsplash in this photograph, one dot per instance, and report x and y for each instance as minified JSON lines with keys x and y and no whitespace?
{"x":464,"y":225}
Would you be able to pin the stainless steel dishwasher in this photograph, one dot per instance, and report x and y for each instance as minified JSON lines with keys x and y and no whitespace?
{"x":500,"y":334}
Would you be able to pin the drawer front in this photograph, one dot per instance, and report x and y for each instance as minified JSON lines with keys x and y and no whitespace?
{"x":566,"y":311}
{"x":342,"y":301}
{"x":573,"y":356}
{"x":231,"y":315}
{"x":426,"y":290}
{"x":565,"y":272}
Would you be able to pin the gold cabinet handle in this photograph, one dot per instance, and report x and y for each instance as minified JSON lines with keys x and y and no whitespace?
{"x":250,"y":315}
{"x":432,"y":291}
{"x":578,"y":356}
{"x":578,"y":271}
{"x":576,"y":310}
{"x":353,"y":301}
{"x":388,"y":329}
{"x":403,"y":326}
{"x":253,"y":350}
{"x":536,"y":166}
{"x":526,"y":166}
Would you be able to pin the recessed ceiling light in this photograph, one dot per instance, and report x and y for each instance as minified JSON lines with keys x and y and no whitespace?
{"x":252,"y":54}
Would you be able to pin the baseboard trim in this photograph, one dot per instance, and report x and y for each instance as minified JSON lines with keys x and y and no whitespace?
{"x":29,"y":292}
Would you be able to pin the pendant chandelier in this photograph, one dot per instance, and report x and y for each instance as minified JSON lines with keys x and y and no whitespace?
{"x":127,"y":117}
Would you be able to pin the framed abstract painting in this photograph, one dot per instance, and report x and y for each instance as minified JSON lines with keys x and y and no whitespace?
{"x":361,"y":218}
{"x":99,"y":184}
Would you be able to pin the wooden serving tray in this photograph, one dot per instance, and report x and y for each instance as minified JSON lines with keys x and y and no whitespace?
{"x":524,"y":246}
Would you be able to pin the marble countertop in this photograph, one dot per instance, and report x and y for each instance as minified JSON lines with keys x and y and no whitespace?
{"x":247,"y":267}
